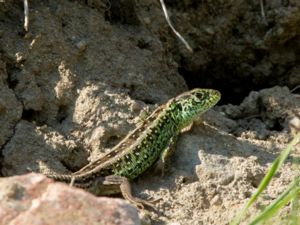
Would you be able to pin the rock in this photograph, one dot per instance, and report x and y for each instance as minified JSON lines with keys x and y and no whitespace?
{"x":35,"y":199}
{"x":10,"y":113}
{"x":31,"y":144}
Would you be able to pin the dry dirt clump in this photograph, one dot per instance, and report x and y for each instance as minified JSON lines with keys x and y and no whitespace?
{"x":79,"y":80}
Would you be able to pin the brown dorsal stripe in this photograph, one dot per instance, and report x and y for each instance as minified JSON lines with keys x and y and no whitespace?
{"x":124,"y":144}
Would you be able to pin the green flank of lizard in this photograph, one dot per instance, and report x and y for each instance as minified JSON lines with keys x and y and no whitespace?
{"x":142,"y":147}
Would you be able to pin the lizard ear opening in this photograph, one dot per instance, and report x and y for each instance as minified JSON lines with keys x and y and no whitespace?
{"x":179,"y":106}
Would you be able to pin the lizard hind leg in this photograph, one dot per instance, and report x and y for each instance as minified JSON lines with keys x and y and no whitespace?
{"x":125,"y":189}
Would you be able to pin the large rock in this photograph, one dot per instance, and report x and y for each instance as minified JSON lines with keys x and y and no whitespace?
{"x":35,"y":199}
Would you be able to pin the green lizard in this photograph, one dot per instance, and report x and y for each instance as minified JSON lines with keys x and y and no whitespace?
{"x":142,"y":147}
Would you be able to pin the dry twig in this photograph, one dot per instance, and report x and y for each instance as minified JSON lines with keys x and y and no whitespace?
{"x":26,"y":15}
{"x":172,"y":27}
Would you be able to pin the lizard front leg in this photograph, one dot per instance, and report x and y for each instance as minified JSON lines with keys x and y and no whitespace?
{"x":165,"y":154}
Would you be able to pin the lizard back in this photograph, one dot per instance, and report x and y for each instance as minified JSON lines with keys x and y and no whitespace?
{"x":144,"y":145}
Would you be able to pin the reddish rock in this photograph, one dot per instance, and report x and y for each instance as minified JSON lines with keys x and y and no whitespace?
{"x":35,"y":199}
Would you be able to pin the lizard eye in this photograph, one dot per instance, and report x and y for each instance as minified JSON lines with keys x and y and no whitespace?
{"x":199,"y":95}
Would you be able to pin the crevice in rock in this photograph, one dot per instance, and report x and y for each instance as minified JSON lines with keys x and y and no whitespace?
{"x":233,"y":91}
{"x":122,"y":12}
{"x":62,"y":113}
{"x":4,"y":145}
{"x":277,"y":125}
{"x":29,"y":115}
{"x":111,"y":141}
{"x":11,"y":68}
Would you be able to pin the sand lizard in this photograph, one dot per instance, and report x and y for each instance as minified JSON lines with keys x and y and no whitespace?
{"x":141,"y":148}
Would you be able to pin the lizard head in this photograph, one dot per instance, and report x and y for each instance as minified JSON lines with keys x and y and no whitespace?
{"x":189,"y":105}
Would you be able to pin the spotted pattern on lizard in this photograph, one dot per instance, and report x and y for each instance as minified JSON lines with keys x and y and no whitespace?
{"x":142,"y":147}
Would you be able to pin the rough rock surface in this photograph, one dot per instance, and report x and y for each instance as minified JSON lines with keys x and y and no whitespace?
{"x":22,"y":153}
{"x":35,"y":199}
{"x":81,"y":78}
{"x":10,"y":107}
{"x":239,"y":46}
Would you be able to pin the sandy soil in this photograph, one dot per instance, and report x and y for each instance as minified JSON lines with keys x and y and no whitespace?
{"x":80,"y":79}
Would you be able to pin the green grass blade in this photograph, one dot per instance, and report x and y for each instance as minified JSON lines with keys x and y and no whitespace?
{"x":266,"y":180}
{"x":294,"y":218}
{"x":290,"y":193}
